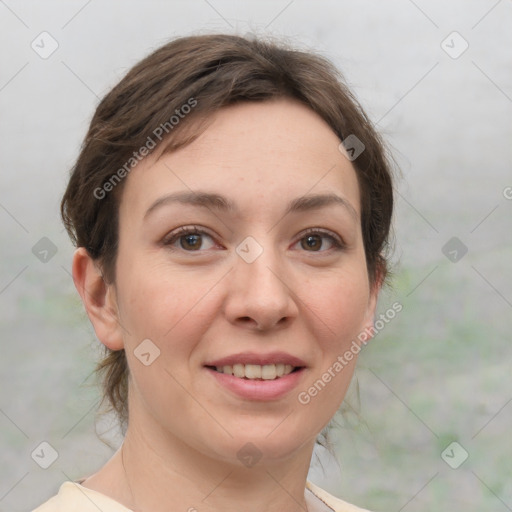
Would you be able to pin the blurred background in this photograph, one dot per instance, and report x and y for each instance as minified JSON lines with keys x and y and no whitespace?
{"x":428,"y":425}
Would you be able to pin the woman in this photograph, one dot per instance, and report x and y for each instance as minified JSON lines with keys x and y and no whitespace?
{"x":231,"y":206}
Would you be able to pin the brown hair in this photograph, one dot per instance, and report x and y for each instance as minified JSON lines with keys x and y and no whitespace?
{"x":214,"y":71}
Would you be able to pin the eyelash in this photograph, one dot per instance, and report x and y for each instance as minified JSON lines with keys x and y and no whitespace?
{"x":169,"y":240}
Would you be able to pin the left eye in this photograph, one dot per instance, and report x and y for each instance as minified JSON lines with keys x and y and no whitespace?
{"x":317,"y":242}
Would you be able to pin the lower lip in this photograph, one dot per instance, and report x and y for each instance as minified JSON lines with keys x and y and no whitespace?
{"x":259,"y":389}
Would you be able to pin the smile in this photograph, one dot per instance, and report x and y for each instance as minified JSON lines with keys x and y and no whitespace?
{"x":264,"y":388}
{"x":258,"y":376}
{"x":256,"y":371}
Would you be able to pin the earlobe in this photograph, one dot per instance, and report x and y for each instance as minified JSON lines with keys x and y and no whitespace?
{"x":98,"y":298}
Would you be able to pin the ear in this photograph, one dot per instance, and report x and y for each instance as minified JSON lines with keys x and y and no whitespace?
{"x":98,"y":298}
{"x":369,"y":319}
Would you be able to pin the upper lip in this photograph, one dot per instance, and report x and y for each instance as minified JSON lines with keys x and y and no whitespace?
{"x":259,"y":359}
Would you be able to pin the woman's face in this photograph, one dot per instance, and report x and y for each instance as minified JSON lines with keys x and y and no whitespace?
{"x":243,"y":248}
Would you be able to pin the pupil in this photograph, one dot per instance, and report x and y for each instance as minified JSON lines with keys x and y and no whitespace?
{"x":313,"y":242}
{"x":192,"y":241}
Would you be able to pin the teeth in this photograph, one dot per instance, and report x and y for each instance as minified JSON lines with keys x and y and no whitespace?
{"x":256,"y":371}
{"x":253,"y":371}
{"x":238,"y":370}
{"x":269,"y":372}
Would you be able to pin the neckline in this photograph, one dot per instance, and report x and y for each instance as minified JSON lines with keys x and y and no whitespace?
{"x":314,"y":502}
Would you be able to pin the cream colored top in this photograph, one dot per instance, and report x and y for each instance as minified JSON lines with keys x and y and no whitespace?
{"x":73,"y":497}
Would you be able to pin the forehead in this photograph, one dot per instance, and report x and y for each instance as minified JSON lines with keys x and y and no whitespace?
{"x":265,"y":150}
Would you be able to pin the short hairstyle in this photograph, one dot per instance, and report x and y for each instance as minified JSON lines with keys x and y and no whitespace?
{"x":207,"y":73}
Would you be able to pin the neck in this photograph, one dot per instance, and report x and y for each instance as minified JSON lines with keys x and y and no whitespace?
{"x":149,"y":476}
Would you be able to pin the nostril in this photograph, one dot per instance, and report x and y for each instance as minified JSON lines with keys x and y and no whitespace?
{"x":263,"y":325}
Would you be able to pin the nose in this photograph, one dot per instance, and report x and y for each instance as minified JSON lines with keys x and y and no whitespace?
{"x":260,"y":297}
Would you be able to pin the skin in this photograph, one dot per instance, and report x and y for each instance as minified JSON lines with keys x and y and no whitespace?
{"x":196,"y":306}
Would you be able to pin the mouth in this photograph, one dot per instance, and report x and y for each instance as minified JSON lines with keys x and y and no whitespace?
{"x":256,"y":371}
{"x":258,"y":377}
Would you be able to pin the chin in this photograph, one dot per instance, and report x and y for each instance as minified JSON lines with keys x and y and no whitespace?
{"x":250,"y":446}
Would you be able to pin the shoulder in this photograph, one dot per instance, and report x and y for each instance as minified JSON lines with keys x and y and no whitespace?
{"x":72,"y":497}
{"x":330,"y":501}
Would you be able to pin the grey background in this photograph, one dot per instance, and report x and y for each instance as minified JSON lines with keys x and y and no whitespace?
{"x":440,"y":372}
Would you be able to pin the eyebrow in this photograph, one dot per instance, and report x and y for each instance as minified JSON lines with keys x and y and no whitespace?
{"x":223,"y":204}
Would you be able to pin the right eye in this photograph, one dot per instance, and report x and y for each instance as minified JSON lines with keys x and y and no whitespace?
{"x":190,"y":239}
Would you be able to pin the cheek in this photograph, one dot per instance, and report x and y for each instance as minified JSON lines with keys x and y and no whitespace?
{"x":172,"y":309}
{"x":172,"y":312}
{"x":152,"y":298}
{"x":339,"y":306}
{"x":337,"y":309}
